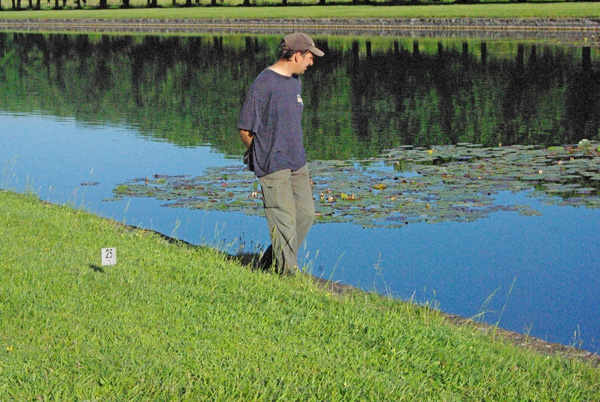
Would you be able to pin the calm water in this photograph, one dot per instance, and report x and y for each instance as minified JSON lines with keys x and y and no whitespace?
{"x":80,"y":114}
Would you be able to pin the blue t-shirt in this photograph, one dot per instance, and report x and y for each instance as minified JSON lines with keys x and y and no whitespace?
{"x":273,"y":112}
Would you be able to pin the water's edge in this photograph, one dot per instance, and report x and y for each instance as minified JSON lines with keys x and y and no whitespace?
{"x":522,"y":340}
{"x":564,"y":29}
{"x":494,"y":28}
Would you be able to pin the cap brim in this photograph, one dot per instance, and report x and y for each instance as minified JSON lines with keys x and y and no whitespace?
{"x":316,"y":52}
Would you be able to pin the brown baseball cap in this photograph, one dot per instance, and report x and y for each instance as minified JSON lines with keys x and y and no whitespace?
{"x":301,"y":42}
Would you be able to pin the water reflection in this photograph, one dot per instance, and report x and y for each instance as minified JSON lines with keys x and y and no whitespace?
{"x":124,"y":107}
{"x":364,"y":97}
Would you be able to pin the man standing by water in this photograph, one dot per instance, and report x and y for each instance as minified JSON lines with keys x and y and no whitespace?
{"x":270,"y":125}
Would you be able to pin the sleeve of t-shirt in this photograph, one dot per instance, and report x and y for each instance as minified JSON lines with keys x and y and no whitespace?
{"x":250,"y":114}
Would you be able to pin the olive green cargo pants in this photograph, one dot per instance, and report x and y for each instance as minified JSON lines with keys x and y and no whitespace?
{"x":290,"y":210}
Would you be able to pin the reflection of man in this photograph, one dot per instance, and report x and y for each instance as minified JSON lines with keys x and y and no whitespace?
{"x":270,"y":126}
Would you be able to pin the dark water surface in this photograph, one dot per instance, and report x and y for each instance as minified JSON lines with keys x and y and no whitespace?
{"x":80,"y":115}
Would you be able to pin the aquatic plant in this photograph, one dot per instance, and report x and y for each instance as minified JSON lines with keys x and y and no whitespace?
{"x":403,"y":185}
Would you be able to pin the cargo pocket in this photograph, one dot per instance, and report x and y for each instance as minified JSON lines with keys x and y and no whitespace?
{"x":272,"y":193}
{"x":274,"y":189}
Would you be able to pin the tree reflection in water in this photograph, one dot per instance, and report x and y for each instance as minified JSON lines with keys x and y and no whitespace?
{"x":363,"y":97}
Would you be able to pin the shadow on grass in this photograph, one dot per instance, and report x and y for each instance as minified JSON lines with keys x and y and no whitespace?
{"x":96,"y":268}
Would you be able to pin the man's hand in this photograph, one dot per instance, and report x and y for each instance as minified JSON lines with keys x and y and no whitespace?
{"x":247,"y":137}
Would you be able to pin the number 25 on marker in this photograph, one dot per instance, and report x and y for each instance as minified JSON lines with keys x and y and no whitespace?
{"x":109,"y":256}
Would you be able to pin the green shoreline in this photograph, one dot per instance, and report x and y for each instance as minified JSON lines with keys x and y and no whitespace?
{"x":556,"y":16}
{"x":172,"y":321}
{"x":554,"y":10}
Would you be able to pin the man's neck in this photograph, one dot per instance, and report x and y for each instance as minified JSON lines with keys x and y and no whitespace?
{"x":283,"y":67}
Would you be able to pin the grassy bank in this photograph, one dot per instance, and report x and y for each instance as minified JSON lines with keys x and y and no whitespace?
{"x":512,"y":10}
{"x":175,"y":322}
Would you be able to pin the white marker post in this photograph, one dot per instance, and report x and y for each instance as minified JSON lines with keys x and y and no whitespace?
{"x":109,"y":256}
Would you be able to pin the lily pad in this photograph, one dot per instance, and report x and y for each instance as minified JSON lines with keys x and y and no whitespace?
{"x":404,"y":185}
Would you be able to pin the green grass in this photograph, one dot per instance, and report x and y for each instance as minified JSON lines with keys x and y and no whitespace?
{"x":172,"y":322}
{"x":513,"y":10}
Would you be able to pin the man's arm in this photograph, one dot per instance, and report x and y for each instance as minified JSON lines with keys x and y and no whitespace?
{"x":247,"y":137}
